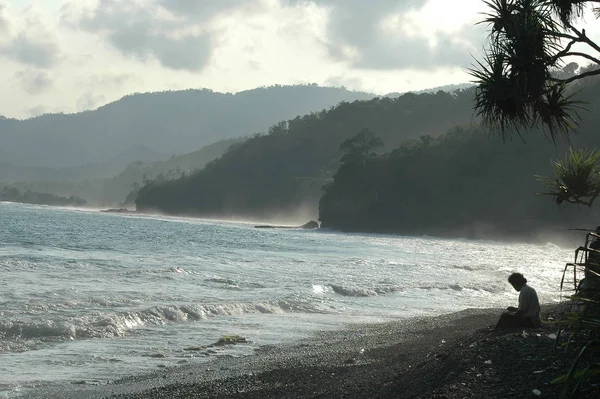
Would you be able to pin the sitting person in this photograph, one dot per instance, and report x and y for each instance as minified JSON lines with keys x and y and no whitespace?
{"x":527,"y":315}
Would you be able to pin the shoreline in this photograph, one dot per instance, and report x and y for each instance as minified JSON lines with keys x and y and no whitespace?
{"x":563,"y":237}
{"x":415,"y":357}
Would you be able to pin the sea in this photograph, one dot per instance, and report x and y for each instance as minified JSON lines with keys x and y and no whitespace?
{"x":88,"y":297}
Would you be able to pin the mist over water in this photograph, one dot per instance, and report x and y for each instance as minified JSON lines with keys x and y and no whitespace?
{"x":90,"y":296}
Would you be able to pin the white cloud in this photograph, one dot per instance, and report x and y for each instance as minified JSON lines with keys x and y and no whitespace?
{"x":34,"y":81}
{"x":89,"y":101}
{"x":29,"y":42}
{"x":36,"y":111}
{"x":399,"y":35}
{"x":4,"y":21}
{"x":145,"y":30}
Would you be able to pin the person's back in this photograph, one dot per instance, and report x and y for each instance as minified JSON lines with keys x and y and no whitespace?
{"x":529,"y":304}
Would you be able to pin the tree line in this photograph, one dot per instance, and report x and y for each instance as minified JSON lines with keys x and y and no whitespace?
{"x":287,"y":166}
{"x":417,"y":180}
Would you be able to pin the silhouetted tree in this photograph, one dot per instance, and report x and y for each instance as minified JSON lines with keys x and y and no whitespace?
{"x":530,"y":40}
{"x":358,"y":147}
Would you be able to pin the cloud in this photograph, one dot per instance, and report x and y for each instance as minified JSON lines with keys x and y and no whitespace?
{"x":205,"y":10}
{"x":146,"y":30}
{"x":376,"y":35}
{"x":89,"y":101}
{"x":36,"y":111}
{"x":111,"y":79}
{"x":34,"y":81}
{"x":32,"y":43}
{"x":344,"y":81}
{"x":418,"y":52}
{"x":4,"y":23}
{"x":96,"y":87}
{"x":182,"y":35}
{"x":34,"y":51}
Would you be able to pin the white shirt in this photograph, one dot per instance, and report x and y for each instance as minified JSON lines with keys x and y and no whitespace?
{"x":529,"y":303}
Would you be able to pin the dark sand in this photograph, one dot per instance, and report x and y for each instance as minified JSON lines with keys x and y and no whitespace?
{"x":451,"y":356}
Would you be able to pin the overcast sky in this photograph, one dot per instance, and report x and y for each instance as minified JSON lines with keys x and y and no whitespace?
{"x":73,"y":55}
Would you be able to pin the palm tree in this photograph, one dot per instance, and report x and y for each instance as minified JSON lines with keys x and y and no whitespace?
{"x":529,"y":41}
{"x":576,"y":179}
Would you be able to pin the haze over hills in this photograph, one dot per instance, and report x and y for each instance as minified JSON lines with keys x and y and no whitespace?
{"x":449,"y":88}
{"x":113,"y":191}
{"x":10,"y":173}
{"x":165,"y":123}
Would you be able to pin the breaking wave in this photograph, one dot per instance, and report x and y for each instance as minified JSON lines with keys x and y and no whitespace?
{"x":354,"y":291}
{"x":122,"y":323}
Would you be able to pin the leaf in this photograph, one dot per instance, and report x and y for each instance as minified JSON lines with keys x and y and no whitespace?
{"x":576,"y":178}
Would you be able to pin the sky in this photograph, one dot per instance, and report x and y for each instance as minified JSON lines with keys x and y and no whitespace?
{"x":74,"y":55}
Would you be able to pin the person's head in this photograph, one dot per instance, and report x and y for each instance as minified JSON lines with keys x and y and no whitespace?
{"x":517,"y":281}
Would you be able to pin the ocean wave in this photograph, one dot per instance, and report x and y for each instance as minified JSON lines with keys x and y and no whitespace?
{"x":122,"y":323}
{"x":490,"y":288}
{"x":227,"y":283}
{"x":175,"y":270}
{"x":34,"y":329}
{"x":220,"y":280}
{"x":354,"y":291}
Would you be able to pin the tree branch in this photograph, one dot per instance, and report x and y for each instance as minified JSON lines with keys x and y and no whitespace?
{"x":562,"y":53}
{"x":577,"y":77}
{"x":582,"y":202}
{"x":584,"y":55}
{"x":581,"y":35}
{"x":562,"y":35}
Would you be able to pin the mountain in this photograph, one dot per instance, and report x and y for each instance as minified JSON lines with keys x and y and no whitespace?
{"x":285,"y":168}
{"x":448,"y":88}
{"x":465,"y":183}
{"x":439,"y":173}
{"x":167,"y":123}
{"x":113,"y":190}
{"x":10,"y":173}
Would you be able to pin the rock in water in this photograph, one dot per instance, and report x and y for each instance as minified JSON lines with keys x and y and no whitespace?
{"x":310,"y":225}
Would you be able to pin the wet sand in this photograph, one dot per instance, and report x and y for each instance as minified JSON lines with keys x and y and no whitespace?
{"x":455,"y":355}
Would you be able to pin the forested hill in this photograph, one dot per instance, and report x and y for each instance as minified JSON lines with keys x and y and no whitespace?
{"x":285,"y":168}
{"x":172,"y":122}
{"x":465,"y":183}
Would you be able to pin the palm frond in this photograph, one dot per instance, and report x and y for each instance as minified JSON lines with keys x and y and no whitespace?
{"x":567,"y":10}
{"x":575,"y":179}
{"x":500,"y":15}
{"x":528,"y":55}
{"x":496,"y":99}
{"x":558,"y":112}
{"x":515,"y":87}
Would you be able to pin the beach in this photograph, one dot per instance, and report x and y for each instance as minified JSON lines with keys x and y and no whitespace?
{"x":451,"y":356}
{"x":111,"y":305}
